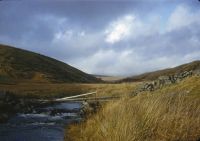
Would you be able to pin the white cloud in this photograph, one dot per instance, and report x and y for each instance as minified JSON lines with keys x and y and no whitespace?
{"x":119,"y":29}
{"x":82,"y":33}
{"x":144,"y":51}
{"x":181,"y":17}
{"x":192,"y":56}
{"x":129,"y":27}
{"x":66,"y":35}
{"x":139,"y":49}
{"x":128,"y":62}
{"x":105,"y":62}
{"x":76,"y":39}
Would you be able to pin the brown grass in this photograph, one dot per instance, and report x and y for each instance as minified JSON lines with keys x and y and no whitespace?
{"x":45,"y":90}
{"x":195,"y":65}
{"x":169,"y":114}
{"x":48,"y":90}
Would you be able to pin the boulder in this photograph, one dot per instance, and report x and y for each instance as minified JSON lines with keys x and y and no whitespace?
{"x":197,"y":72}
{"x":164,"y":80}
{"x":86,"y":108}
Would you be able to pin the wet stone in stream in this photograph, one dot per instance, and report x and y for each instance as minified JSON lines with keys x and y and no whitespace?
{"x":43,"y":124}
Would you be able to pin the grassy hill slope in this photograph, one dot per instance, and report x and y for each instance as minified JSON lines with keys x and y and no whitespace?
{"x":19,"y":65}
{"x":171,"y":71}
{"x":168,"y":114}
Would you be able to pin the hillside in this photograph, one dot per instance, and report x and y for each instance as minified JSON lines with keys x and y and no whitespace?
{"x":194,"y":66}
{"x":18,"y":65}
{"x":168,"y":114}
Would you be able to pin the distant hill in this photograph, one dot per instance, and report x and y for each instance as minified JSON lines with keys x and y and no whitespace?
{"x":170,"y":71}
{"x":18,"y":65}
{"x":109,"y":78}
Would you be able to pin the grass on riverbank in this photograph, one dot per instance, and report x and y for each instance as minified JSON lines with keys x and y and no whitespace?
{"x":45,"y":90}
{"x":168,"y":114}
{"x":48,"y":90}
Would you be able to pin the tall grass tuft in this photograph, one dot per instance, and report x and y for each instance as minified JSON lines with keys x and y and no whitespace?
{"x":169,"y":114}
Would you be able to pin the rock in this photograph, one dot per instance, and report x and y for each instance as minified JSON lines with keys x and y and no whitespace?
{"x":164,"y":80}
{"x":150,"y":87}
{"x":197,"y":72}
{"x":86,"y":109}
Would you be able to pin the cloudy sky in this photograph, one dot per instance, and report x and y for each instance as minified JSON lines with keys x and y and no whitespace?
{"x":105,"y":37}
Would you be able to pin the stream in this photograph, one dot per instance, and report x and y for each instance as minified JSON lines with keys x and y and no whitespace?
{"x":44,"y":124}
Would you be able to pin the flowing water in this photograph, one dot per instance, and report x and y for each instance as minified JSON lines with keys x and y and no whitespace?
{"x":44,"y":124}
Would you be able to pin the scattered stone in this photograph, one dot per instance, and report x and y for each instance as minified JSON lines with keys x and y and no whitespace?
{"x":165,"y":80}
{"x":89,"y":108}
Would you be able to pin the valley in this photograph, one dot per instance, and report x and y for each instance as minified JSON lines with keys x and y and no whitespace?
{"x":131,"y":108}
{"x":99,"y":70}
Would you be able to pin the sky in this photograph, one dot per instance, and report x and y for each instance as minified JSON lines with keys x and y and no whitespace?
{"x":116,"y":37}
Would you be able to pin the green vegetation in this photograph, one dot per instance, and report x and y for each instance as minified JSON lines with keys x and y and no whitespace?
{"x":168,"y":114}
{"x":17,"y":65}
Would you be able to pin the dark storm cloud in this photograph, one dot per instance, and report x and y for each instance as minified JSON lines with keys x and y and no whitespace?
{"x":108,"y":37}
{"x":85,"y":13}
{"x":21,"y":13}
{"x":23,"y":19}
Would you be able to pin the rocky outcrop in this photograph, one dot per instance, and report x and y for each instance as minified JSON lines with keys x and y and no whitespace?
{"x":165,"y":80}
{"x":88,"y":108}
{"x":10,"y":104}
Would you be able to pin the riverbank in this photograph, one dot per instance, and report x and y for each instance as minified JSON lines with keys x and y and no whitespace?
{"x":33,"y":120}
{"x":10,"y":105}
{"x":169,"y":113}
{"x":25,"y":107}
{"x":45,"y":123}
{"x":23,"y":97}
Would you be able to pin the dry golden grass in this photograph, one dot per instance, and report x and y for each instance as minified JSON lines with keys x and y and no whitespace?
{"x":169,"y":114}
{"x":120,"y":90}
{"x":48,"y":90}
{"x":45,"y":90}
